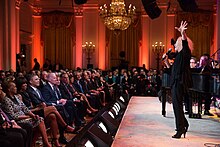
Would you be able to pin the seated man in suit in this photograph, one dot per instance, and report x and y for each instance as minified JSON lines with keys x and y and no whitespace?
{"x":52,"y":95}
{"x":50,"y":113}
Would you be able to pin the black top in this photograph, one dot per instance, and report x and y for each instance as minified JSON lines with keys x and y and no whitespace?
{"x":181,"y":67}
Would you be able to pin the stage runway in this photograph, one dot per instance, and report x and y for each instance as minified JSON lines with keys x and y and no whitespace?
{"x":144,"y":126}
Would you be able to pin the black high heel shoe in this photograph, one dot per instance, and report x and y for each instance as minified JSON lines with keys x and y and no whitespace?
{"x":55,"y":143}
{"x":179,"y":134}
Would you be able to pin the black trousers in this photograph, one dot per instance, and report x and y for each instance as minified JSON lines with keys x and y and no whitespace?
{"x":177,"y":99}
{"x":73,"y":111}
{"x":29,"y":133}
{"x":12,"y":137}
{"x":188,"y":103}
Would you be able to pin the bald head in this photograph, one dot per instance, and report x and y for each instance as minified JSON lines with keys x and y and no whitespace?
{"x":52,"y":78}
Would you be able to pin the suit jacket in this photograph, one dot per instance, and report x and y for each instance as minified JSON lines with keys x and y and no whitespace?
{"x":65,"y":91}
{"x":36,"y":100}
{"x":49,"y":94}
{"x":77,"y":86}
{"x":50,"y":97}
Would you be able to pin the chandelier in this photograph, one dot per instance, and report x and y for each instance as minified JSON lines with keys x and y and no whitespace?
{"x":117,"y":18}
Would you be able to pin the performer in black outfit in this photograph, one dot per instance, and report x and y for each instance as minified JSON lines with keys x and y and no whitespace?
{"x":181,"y":79}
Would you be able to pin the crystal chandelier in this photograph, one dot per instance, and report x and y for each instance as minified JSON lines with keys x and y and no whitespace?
{"x":117,"y":18}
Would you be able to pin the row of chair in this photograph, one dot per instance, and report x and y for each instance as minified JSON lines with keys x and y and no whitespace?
{"x":100,"y":131}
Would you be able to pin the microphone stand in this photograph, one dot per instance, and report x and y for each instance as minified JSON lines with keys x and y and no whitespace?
{"x":215,"y":53}
{"x":213,"y":61}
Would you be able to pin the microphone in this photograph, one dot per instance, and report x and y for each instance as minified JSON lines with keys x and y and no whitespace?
{"x":167,"y":53}
{"x":172,"y":41}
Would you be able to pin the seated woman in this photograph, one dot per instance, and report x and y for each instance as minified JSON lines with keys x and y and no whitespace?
{"x":11,"y":134}
{"x":126,"y":83}
{"x":20,"y":113}
{"x":49,"y":113}
{"x":77,"y":94}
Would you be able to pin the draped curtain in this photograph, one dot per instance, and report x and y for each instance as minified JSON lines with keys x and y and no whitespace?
{"x":127,"y":41}
{"x":200,"y":30}
{"x":58,"y":35}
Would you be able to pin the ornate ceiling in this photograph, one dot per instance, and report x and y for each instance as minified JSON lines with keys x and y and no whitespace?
{"x":67,"y":5}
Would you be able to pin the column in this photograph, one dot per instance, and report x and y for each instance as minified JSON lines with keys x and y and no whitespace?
{"x":10,"y":36}
{"x":17,"y":19}
{"x":2,"y":4}
{"x":217,"y":26}
{"x":170,"y":30}
{"x":144,"y":52}
{"x":79,"y":32}
{"x":37,"y":50}
{"x":102,"y":50}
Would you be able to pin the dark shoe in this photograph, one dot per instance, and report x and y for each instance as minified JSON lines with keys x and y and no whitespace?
{"x":55,"y":142}
{"x":208,"y":113}
{"x":63,"y":140}
{"x":179,"y":134}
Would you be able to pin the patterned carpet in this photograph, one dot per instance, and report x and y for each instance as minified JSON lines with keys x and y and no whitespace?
{"x":144,"y":126}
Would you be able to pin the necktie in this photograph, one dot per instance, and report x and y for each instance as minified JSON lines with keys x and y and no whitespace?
{"x":39,"y":94}
{"x":80,"y":86}
{"x":70,"y":94}
{"x":58,"y":92}
{"x":55,"y":91}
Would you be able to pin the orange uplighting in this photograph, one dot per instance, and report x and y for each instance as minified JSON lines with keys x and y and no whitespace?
{"x":170,"y":30}
{"x":145,"y":53}
{"x":13,"y":44}
{"x":101,"y":46}
{"x":215,"y":41}
{"x":102,"y":55}
{"x":144,"y":50}
{"x":79,"y":41}
{"x":37,"y":49}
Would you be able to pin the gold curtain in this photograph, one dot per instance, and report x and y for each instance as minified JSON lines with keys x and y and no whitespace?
{"x":200,"y":30}
{"x":127,"y":41}
{"x":58,"y":35}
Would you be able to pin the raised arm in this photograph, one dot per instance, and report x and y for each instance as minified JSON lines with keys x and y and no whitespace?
{"x":182,"y":29}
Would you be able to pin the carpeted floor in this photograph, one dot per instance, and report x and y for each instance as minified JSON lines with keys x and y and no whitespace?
{"x":144,"y":126}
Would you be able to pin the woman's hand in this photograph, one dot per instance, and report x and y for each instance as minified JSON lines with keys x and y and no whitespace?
{"x":36,"y":117}
{"x":182,"y":27}
{"x":14,"y":124}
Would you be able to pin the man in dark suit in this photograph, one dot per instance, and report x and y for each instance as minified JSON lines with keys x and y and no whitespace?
{"x":39,"y":101}
{"x":52,"y":95}
{"x":43,"y":79}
